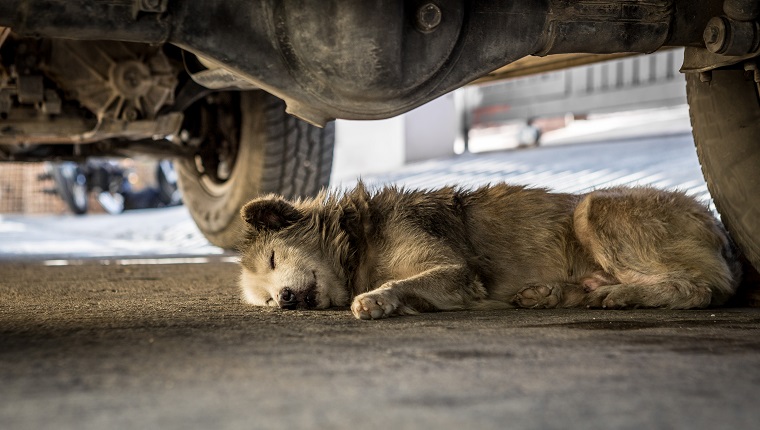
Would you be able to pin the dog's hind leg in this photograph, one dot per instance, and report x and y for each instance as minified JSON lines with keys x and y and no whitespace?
{"x":677,"y":294}
{"x":443,"y":288}
{"x":663,"y":248}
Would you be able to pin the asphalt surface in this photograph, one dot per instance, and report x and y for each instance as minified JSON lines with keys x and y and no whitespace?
{"x":171,"y":346}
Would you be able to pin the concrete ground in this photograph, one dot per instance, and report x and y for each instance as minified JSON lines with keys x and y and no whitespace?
{"x":170,"y":346}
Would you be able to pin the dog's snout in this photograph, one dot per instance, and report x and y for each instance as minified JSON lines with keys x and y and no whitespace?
{"x":288,"y":299}
{"x":293,"y":298}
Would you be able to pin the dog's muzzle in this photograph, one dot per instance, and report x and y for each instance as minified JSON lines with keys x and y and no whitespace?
{"x":290,"y":298}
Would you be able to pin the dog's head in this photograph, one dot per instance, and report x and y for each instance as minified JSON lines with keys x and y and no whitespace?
{"x":285,"y":261}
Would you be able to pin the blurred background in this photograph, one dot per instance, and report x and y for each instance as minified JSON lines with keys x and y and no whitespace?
{"x":623,"y":121}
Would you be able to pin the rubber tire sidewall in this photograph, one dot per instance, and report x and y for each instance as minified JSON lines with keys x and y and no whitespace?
{"x":725,"y":117}
{"x":261,"y":167}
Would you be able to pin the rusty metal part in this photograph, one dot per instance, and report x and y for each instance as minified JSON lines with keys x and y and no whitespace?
{"x":613,"y":26}
{"x":114,"y":80}
{"x":742,"y":10}
{"x":700,"y":60}
{"x":123,"y":85}
{"x":727,"y":36}
{"x":369,"y":60}
{"x":428,"y":17}
{"x":26,"y":126}
{"x":213,"y":75}
{"x":152,"y":6}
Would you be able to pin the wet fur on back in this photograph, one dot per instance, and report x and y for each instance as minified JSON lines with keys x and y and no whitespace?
{"x":395,"y":251}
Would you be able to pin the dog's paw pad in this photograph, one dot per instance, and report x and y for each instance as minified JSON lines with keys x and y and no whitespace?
{"x":374,"y":305}
{"x":536,"y":296}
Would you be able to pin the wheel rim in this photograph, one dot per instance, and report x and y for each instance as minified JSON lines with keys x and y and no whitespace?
{"x":215,"y":127}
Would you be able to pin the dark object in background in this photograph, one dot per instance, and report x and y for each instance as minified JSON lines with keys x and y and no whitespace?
{"x":109,"y":181}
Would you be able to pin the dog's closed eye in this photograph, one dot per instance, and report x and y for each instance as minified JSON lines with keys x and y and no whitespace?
{"x":271,"y":261}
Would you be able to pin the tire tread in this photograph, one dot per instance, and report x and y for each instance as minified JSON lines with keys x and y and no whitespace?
{"x":295,"y":161}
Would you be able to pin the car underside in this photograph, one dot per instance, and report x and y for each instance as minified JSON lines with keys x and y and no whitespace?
{"x":211,"y":83}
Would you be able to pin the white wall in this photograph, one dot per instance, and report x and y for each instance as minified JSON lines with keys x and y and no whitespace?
{"x":366,"y":147}
{"x":430,"y":130}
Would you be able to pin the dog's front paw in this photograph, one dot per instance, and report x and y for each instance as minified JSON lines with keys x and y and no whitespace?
{"x":375,"y":305}
{"x":537,"y":296}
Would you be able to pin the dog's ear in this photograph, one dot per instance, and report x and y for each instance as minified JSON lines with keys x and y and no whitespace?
{"x":270,"y":213}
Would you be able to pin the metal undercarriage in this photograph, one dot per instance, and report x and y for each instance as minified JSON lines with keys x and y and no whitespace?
{"x":105,"y":76}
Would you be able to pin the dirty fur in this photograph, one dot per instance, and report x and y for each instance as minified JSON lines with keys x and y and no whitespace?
{"x":400,"y":252}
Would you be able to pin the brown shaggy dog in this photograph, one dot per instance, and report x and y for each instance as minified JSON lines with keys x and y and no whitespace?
{"x":397,"y":252}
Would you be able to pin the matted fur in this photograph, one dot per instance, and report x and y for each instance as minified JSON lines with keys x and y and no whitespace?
{"x":396,"y":252}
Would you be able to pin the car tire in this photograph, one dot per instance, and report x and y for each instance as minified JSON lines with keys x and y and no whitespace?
{"x":71,"y":186}
{"x":274,"y":153}
{"x":725,"y":118}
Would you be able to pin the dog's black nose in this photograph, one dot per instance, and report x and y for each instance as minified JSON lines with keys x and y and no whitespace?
{"x":288,"y":299}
